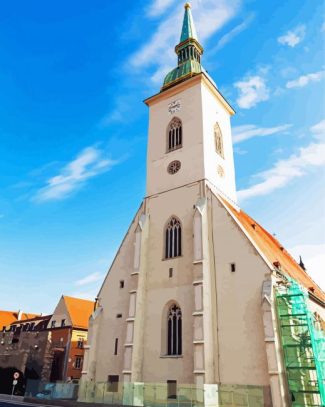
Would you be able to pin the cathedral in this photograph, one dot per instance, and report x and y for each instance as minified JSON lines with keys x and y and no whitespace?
{"x":201,"y":305}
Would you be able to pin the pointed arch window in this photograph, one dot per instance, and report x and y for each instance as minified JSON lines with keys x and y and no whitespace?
{"x":174,"y":134}
{"x":218,"y":140}
{"x":173,"y":239}
{"x":174,"y":330}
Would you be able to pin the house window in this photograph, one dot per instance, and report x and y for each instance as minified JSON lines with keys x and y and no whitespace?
{"x":174,"y":134}
{"x":218,"y":140}
{"x":53,"y":324}
{"x":171,"y":389}
{"x":118,"y":315}
{"x":170,"y":273}
{"x":62,"y":322}
{"x":112,"y":383}
{"x":78,"y":362}
{"x":232,"y":267}
{"x":116,"y":346}
{"x":174,"y":331}
{"x":121,"y":283}
{"x":173,"y":239}
{"x":80,"y":343}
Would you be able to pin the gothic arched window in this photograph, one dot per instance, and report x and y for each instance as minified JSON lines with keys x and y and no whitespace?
{"x":173,"y":239}
{"x":218,"y":140}
{"x":174,"y":330}
{"x":174,"y":134}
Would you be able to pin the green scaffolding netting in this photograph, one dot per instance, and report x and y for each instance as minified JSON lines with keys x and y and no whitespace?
{"x":303,"y":343}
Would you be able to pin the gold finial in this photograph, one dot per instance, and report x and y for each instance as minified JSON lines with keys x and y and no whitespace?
{"x":187,"y":5}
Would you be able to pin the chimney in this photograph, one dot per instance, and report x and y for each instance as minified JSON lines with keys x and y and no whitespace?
{"x":20,"y":314}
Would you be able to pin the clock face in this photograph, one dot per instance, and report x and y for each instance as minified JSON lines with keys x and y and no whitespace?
{"x":174,"y":106}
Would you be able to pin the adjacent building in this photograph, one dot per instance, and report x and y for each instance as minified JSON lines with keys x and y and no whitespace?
{"x":46,"y":348}
{"x":200,"y":295}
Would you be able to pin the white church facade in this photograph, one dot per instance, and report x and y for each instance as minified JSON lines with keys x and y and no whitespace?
{"x":192,"y":296}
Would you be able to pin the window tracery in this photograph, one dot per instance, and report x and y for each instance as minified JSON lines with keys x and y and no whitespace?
{"x":174,"y":331}
{"x":174,"y":134}
{"x":173,"y":239}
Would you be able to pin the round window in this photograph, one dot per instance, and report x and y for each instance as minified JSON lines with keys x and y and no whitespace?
{"x":173,"y":167}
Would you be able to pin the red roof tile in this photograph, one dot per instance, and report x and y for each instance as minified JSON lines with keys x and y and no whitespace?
{"x":79,"y":311}
{"x":8,"y":317}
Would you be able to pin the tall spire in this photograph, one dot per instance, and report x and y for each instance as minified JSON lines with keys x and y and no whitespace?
{"x":189,"y":52}
{"x":188,"y":29}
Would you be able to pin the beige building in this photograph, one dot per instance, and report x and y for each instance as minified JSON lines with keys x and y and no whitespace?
{"x":193,"y":295}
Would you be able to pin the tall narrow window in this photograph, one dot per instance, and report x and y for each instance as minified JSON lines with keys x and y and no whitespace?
{"x":174,"y":134}
{"x":173,"y":239}
{"x":174,"y":331}
{"x":116,"y":346}
{"x":218,"y":140}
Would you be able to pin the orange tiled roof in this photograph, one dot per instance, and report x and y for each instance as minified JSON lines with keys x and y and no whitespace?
{"x":274,"y":251}
{"x":8,"y":317}
{"x":79,"y":311}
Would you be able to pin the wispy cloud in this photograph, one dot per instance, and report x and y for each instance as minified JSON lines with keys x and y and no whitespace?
{"x":245,"y":132}
{"x":158,"y":52}
{"x":233,"y":33}
{"x":304,"y":80}
{"x":288,"y":169}
{"x":252,"y":90}
{"x":158,"y":7}
{"x":293,"y":37}
{"x":91,"y":278}
{"x":89,"y":163}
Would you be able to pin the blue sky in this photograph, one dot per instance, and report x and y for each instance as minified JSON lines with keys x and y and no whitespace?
{"x":73,"y":128}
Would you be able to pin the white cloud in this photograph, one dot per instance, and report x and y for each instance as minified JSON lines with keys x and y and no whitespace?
{"x":158,"y":7}
{"x":313,"y":257}
{"x":88,"y":164}
{"x":158,"y":51}
{"x":304,"y":80}
{"x":286,"y":170}
{"x":91,"y":278}
{"x":319,"y":130}
{"x":233,"y":33}
{"x":245,"y":132}
{"x":293,"y":37}
{"x":252,"y":90}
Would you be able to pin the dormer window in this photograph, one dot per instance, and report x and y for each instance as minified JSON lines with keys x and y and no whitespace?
{"x":174,"y":134}
{"x":218,"y":140}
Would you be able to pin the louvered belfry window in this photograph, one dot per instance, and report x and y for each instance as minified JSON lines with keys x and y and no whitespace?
{"x":174,"y":134}
{"x":173,"y":239}
{"x":174,"y":330}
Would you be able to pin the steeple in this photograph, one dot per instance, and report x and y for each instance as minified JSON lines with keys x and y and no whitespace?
{"x":189,"y":52}
{"x":188,"y":29}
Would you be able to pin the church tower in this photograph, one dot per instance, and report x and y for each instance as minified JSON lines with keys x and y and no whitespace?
{"x":187,"y":310}
{"x":189,"y":125}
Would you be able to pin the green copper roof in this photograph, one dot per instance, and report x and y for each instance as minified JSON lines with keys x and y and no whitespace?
{"x":188,"y":68}
{"x":189,"y":53}
{"x":188,"y":29}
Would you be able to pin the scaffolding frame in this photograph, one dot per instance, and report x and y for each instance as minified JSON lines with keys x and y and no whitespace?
{"x":303,"y":346}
